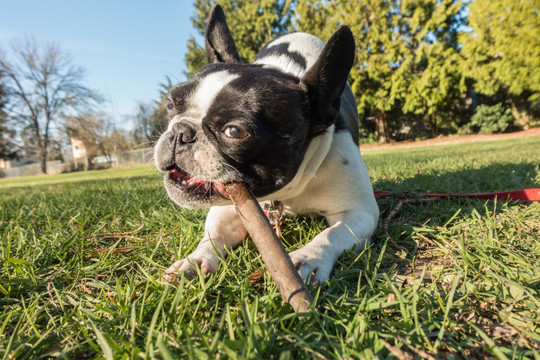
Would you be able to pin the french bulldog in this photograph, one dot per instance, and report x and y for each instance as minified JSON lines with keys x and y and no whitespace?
{"x":285,"y":125}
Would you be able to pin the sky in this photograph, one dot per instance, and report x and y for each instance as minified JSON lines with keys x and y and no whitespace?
{"x":126,"y":47}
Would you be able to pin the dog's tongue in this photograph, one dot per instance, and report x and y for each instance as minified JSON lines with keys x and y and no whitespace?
{"x":185,"y":178}
{"x":191,"y":180}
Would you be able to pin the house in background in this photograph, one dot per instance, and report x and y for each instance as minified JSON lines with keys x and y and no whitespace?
{"x":79,"y":153}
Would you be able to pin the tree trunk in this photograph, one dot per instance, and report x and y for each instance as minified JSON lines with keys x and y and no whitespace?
{"x":44,"y":161}
{"x":44,"y":151}
{"x":434,"y":125}
{"x":520,"y":112}
{"x":45,"y":144}
{"x":381,"y":122}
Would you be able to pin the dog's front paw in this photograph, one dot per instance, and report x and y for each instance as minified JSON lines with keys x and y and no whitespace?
{"x":207,"y":261}
{"x":312,"y":264}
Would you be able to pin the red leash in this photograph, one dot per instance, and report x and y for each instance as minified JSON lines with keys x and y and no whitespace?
{"x":521,"y":195}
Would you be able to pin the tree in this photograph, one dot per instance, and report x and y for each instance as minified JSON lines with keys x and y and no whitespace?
{"x":437,"y":80}
{"x":407,"y":55}
{"x":159,"y":115}
{"x":143,"y":123}
{"x":98,"y":134}
{"x":253,"y":23}
{"x":7,"y":150}
{"x":6,"y":134}
{"x":42,"y":85}
{"x":313,"y":17}
{"x":407,"y":60}
{"x":151,"y":118}
{"x":503,"y":52}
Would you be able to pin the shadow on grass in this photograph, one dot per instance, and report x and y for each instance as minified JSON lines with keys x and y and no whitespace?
{"x":496,"y":177}
{"x":401,"y":216}
{"x":235,"y":314}
{"x":424,"y":250}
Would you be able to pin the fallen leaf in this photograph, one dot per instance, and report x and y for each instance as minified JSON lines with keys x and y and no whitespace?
{"x":254,"y":277}
{"x":506,"y":330}
{"x":484,"y":305}
{"x":466,"y":316}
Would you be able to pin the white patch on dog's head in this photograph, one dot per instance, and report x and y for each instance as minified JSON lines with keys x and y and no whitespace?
{"x":285,"y":64}
{"x":203,"y":97}
{"x":209,"y":87}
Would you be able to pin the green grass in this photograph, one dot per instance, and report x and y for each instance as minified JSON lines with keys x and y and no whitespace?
{"x":447,"y":278}
{"x":78,"y":176}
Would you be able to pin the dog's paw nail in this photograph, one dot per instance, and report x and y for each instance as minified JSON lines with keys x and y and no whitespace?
{"x":205,"y":269}
{"x":167,"y":278}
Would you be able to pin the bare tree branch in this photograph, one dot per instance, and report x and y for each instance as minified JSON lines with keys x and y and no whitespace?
{"x":42,"y":85}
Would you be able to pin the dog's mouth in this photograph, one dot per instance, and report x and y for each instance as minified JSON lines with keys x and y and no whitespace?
{"x":190,"y":183}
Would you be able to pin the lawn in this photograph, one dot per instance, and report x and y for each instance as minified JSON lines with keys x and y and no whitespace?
{"x":81,"y":257}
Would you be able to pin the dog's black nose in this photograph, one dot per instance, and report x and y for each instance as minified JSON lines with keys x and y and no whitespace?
{"x":181,"y":134}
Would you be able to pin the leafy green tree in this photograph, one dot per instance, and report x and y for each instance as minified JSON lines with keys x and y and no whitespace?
{"x":489,"y":120}
{"x":313,"y":17}
{"x":503,"y":51}
{"x":407,"y":59}
{"x":437,"y":80}
{"x":252,"y":22}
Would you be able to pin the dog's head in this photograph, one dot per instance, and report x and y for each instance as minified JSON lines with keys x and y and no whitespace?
{"x":247,"y":123}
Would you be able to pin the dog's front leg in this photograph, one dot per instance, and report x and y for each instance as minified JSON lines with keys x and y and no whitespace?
{"x":223,"y":230}
{"x":315,"y":260}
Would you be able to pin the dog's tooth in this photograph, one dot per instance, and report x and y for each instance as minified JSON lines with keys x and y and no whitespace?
{"x":184,"y":182}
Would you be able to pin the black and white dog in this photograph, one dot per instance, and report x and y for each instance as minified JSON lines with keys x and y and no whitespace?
{"x":286,"y":126}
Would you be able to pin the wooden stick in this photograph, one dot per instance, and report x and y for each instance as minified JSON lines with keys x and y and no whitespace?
{"x":275,"y":257}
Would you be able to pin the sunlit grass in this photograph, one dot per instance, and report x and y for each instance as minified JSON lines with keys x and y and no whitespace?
{"x":78,"y":176}
{"x":81,"y":255}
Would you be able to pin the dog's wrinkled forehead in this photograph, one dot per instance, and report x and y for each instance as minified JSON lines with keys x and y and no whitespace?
{"x":196,"y":96}
{"x":240,"y":88}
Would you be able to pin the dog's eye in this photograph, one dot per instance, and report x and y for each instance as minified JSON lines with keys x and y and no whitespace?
{"x":170,"y":104}
{"x":235,"y":132}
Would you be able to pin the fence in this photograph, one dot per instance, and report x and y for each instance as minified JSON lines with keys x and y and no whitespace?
{"x":53,"y":167}
{"x":136,"y":157}
{"x":129,"y":158}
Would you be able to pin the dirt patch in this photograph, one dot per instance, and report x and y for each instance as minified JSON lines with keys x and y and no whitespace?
{"x":454,"y":139}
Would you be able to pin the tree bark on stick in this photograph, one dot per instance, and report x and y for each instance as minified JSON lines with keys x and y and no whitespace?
{"x":275,"y":257}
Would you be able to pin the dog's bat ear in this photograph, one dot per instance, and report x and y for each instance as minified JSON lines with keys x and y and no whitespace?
{"x":325,"y":80}
{"x":220,"y":45}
